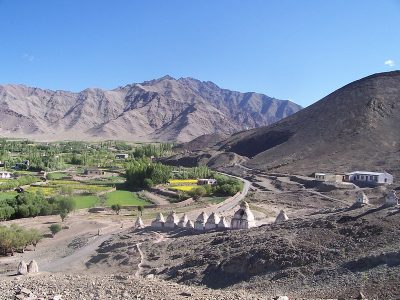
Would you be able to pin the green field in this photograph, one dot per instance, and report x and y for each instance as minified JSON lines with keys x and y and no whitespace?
{"x":57,"y":175}
{"x":85,"y":201}
{"x":125,"y":198}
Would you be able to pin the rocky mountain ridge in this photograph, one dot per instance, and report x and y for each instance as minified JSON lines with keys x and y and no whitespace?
{"x":164,"y":109}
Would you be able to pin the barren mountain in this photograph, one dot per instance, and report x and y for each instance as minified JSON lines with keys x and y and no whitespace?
{"x":165,"y":109}
{"x":355,"y":127}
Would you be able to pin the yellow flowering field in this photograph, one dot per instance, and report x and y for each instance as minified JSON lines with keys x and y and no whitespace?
{"x":183,"y":181}
{"x":184,"y":188}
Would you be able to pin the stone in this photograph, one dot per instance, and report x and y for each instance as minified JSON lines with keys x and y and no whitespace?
{"x":139,"y":223}
{"x":212,"y":222}
{"x":201,"y":221}
{"x":281,"y":298}
{"x":158,"y":222}
{"x":172,"y":221}
{"x":150,"y":276}
{"x":282,"y":217}
{"x":183,"y":221}
{"x":243,"y":218}
{"x":33,"y":267}
{"x":223,"y":223}
{"x":22,"y":268}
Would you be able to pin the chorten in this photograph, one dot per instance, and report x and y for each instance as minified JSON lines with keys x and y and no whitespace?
{"x":158,"y":222}
{"x":212,"y":221}
{"x":183,"y":221}
{"x":282,"y":217}
{"x":201,"y":221}
{"x":172,"y":221}
{"x":139,"y":222}
{"x":243,"y":218}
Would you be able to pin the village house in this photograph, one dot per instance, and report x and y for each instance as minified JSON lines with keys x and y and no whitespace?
{"x":5,"y":175}
{"x":329,"y":177}
{"x":93,"y":172}
{"x":374,"y":178}
{"x":207,"y":181}
{"x":122,"y":156}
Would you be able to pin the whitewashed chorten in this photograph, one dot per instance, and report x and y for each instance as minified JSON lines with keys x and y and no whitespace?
{"x":243,"y":218}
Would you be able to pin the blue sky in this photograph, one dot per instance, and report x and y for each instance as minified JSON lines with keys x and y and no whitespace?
{"x":288,"y":49}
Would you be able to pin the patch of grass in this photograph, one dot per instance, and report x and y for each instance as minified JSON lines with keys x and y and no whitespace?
{"x":57,"y":175}
{"x":125,"y":198}
{"x":85,"y":201}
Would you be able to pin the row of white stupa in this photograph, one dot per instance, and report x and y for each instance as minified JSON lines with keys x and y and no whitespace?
{"x":242,"y":219}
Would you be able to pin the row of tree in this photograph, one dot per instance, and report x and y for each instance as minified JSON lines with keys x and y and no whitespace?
{"x":143,"y":173}
{"x":15,"y":238}
{"x":26,"y":205}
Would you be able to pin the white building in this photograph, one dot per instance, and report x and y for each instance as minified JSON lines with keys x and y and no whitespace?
{"x":369,"y":177}
{"x":243,"y":218}
{"x":328,"y":177}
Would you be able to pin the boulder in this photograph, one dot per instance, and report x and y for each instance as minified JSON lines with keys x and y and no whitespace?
{"x":22,"y":268}
{"x":33,"y":267}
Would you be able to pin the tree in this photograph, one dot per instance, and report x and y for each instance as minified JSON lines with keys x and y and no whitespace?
{"x":140,"y":209}
{"x":116,"y":208}
{"x":197,"y":192}
{"x":65,"y":206}
{"x":55,"y":228}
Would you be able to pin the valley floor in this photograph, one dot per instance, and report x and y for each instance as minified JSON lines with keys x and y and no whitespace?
{"x":325,"y":250}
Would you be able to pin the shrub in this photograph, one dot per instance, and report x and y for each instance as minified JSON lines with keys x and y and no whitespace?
{"x":55,"y":228}
{"x":116,"y":208}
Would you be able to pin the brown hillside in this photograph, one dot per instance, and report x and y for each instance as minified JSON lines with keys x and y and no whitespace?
{"x":355,"y":127}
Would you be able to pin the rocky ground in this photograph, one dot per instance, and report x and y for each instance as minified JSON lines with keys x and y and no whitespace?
{"x":74,"y":287}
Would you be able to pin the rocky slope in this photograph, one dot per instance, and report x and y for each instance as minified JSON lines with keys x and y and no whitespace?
{"x":331,"y":254}
{"x":165,"y":109}
{"x":355,"y":127}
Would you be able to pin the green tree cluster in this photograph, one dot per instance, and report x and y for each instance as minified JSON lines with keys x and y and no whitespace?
{"x":142,"y":173}
{"x":15,"y":238}
{"x":27,"y":204}
{"x":14,"y":183}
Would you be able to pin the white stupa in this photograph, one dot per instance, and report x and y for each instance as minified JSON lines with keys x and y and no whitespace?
{"x":223,"y":223}
{"x":281,"y":217}
{"x":183,"y":221}
{"x":243,"y":218}
{"x":172,"y":221}
{"x":392,"y":199}
{"x":189,"y":224}
{"x":361,"y":198}
{"x":212,"y":221}
{"x":201,"y":221}
{"x":139,"y":223}
{"x":158,"y":222}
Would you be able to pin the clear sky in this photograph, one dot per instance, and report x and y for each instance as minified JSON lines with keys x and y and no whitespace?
{"x":288,"y":49}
